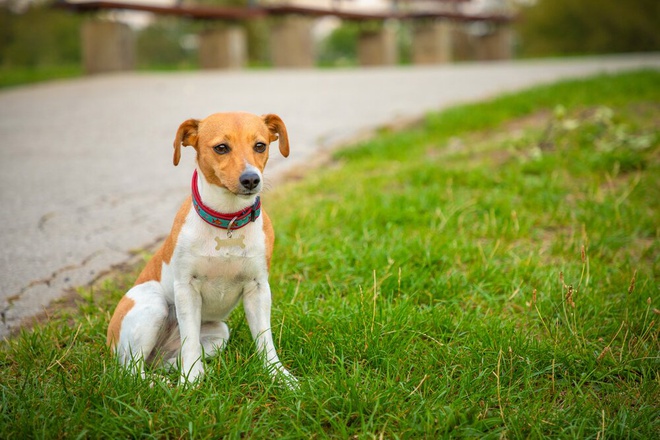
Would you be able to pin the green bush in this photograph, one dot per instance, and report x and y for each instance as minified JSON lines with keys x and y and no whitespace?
{"x":569,"y":27}
{"x":39,"y":36}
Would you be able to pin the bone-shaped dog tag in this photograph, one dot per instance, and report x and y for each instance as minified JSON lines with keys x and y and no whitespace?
{"x":227,"y":242}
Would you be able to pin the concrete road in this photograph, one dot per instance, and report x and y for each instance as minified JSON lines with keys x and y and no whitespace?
{"x":86,"y":171}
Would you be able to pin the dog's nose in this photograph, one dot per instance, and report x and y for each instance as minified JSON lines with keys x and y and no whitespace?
{"x":250,"y":180}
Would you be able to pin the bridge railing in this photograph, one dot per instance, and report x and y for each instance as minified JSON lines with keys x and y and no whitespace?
{"x":438,"y":36}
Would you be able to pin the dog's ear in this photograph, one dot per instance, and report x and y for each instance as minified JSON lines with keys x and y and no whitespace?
{"x":278,"y":130}
{"x":186,"y":135}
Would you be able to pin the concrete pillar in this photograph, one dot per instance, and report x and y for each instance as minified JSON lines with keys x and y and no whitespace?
{"x":107,"y":46}
{"x":432,"y":42}
{"x":291,"y":42}
{"x":223,"y":48}
{"x":377,"y":48}
{"x":462,"y":43}
{"x":496,"y":44}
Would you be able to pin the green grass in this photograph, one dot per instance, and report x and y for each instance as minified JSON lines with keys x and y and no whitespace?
{"x":16,"y":76}
{"x":491,"y":272}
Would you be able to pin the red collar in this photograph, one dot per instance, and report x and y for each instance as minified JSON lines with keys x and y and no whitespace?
{"x":235,"y":220}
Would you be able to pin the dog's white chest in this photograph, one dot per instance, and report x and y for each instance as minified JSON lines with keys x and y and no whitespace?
{"x":223,"y":268}
{"x":221,"y":281}
{"x":213,"y":272}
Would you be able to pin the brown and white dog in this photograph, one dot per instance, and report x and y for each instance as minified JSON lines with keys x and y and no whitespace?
{"x":218,"y":252}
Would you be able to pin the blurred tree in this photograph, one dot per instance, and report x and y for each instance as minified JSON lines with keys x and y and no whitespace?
{"x":162,"y":44}
{"x":339,"y":48}
{"x":569,"y":27}
{"x":36,"y":35}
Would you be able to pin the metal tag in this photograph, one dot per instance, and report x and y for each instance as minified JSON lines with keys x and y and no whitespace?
{"x":228,"y":242}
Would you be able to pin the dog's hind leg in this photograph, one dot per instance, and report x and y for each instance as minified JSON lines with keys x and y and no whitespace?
{"x":142,"y":325}
{"x":213,"y":339}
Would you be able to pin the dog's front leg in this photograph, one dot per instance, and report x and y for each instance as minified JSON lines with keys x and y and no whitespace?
{"x":188,"y":303}
{"x":257,"y":304}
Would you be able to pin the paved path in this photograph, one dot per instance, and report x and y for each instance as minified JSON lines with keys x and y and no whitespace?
{"x":86,"y":174}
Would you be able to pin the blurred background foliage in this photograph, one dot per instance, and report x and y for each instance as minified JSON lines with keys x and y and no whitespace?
{"x":163,"y":44}
{"x":576,"y":27}
{"x":339,"y":48}
{"x":35,"y":36}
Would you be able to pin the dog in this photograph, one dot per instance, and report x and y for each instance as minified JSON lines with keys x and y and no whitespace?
{"x":217,"y":253}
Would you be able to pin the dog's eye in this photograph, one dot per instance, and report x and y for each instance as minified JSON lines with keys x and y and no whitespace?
{"x":222,"y":149}
{"x":260,"y":147}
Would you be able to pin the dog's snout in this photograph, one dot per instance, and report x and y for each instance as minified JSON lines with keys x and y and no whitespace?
{"x":250,"y":180}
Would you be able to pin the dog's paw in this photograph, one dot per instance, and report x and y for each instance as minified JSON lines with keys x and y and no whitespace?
{"x":193,"y":375}
{"x":160,"y":380}
{"x":288,"y":379}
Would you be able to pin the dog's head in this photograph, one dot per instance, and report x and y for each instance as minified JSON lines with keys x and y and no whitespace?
{"x":232,"y":148}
